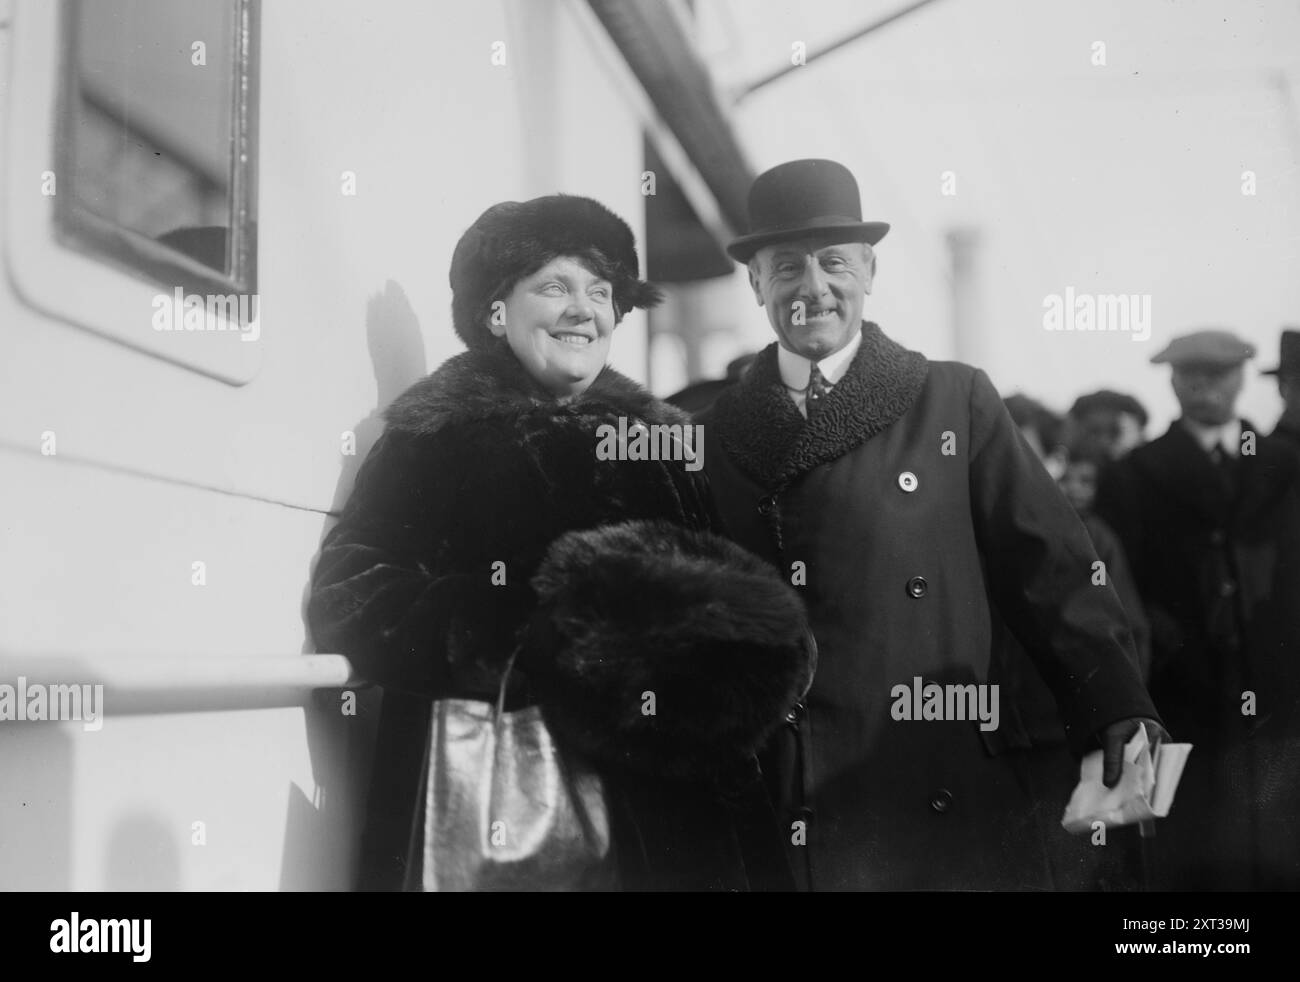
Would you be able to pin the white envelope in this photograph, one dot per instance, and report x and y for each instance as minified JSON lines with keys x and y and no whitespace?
{"x":1145,"y":790}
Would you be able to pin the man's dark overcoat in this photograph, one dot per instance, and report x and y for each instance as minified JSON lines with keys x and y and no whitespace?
{"x":919,"y":516}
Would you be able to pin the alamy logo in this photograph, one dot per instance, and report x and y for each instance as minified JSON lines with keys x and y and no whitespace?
{"x":37,"y":702}
{"x":213,"y":312}
{"x":1129,"y":312}
{"x":75,"y":936}
{"x":930,"y":701}
{"x":660,"y":441}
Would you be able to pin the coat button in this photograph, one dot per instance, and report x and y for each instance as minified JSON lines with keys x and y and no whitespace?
{"x":767,"y":505}
{"x":1227,"y":588}
{"x":1217,"y":538}
{"x":917,"y":586}
{"x":907,"y":481}
{"x":796,"y":714}
{"x":941,"y":801}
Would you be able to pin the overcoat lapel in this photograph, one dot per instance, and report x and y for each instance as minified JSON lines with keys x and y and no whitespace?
{"x":768,"y":438}
{"x":1184,"y":472}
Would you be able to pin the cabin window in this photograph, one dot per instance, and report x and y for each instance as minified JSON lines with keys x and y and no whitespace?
{"x":157,"y":140}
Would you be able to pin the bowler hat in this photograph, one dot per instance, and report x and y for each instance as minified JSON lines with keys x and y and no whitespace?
{"x":804,"y":198}
{"x":1290,"y":357}
{"x":1214,"y":347}
{"x":514,"y":239}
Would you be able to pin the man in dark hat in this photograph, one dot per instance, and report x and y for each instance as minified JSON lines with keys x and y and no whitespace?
{"x":898,"y":494}
{"x":1288,"y":386}
{"x":1209,"y":516}
{"x":1111,"y":423}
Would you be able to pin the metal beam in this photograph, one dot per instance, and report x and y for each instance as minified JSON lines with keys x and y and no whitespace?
{"x":665,"y":62}
{"x":861,"y":32}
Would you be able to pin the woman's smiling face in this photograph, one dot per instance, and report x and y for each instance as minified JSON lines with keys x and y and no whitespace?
{"x":558,"y":322}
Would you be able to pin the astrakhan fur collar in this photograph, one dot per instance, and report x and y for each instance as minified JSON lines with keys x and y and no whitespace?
{"x":770,"y":440}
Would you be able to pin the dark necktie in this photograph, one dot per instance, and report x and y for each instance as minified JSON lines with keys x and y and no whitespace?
{"x":816,"y":392}
{"x":1226,"y":467}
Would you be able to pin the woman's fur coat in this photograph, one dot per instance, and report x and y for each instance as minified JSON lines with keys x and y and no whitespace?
{"x":484,"y":521}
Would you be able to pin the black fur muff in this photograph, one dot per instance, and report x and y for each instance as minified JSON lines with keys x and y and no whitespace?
{"x":666,"y":650}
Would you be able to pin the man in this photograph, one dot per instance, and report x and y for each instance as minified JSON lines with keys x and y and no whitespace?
{"x":900,"y":497}
{"x":1209,"y":515}
{"x":1111,"y":422}
{"x":1288,"y":386}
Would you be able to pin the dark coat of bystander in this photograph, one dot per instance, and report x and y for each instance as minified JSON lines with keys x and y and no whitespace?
{"x":1218,"y":565}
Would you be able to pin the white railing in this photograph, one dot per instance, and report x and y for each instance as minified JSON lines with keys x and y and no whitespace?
{"x":141,"y":683}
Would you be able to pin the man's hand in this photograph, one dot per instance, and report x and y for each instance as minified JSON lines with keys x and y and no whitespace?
{"x":1113,"y":739}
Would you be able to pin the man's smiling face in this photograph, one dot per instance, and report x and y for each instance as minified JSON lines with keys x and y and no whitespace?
{"x":813,"y":292}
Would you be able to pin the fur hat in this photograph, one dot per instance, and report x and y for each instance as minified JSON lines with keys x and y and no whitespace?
{"x":514,"y":239}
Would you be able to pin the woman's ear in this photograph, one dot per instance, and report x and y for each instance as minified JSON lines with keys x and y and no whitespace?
{"x":496,"y":318}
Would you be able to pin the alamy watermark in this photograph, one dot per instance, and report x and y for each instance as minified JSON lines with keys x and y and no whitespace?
{"x":213,"y":312}
{"x":104,"y":935}
{"x":52,"y":702}
{"x":659,"y":441}
{"x":1126,"y":312}
{"x":930,"y":701}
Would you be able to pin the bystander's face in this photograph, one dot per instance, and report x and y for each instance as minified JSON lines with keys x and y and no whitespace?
{"x":558,"y":322}
{"x":1128,"y":437}
{"x":813,"y":293}
{"x":1208,"y":393}
{"x":1113,"y":432}
{"x":1079,"y":482}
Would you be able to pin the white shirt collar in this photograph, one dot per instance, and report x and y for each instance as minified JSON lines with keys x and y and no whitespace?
{"x":796,"y":368}
{"x":1228,"y":435}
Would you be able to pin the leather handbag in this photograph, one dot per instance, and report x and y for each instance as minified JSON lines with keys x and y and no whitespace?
{"x":504,"y":808}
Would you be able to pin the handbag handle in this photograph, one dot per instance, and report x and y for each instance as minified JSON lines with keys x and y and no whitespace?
{"x":505,"y":678}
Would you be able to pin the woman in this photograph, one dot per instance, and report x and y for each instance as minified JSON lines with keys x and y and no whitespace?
{"x":484,"y":522}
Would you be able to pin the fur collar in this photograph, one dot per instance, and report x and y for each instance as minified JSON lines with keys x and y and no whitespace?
{"x":491,"y":383}
{"x":769,"y":439}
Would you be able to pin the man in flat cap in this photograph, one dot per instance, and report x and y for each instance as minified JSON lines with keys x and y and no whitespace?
{"x":900,"y":497}
{"x":1209,"y":515}
{"x":1288,"y":387}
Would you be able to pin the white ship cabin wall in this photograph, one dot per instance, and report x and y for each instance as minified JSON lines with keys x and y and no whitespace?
{"x":165,"y":491}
